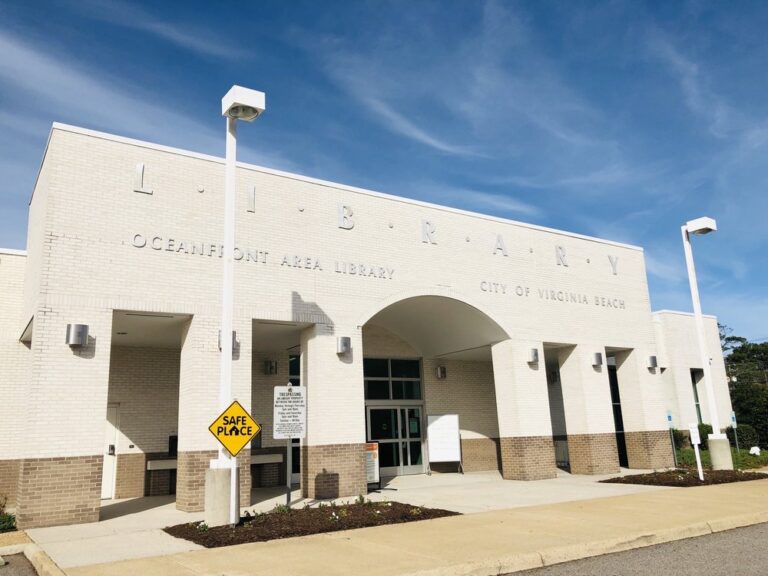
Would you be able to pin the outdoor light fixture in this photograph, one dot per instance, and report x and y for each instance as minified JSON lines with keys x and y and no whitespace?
{"x":77,"y":335}
{"x":533,"y":356}
{"x":243,"y":104}
{"x":270,"y":367}
{"x":234,"y":339}
{"x":441,"y":373}
{"x":653,"y":362}
{"x":719,"y":448}
{"x":597,"y":359}
{"x":343,"y":345}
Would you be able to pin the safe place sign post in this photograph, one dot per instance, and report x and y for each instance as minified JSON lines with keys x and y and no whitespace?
{"x":234,"y":428}
{"x":289,"y":421}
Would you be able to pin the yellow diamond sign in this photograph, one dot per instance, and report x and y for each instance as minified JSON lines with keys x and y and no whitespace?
{"x":234,"y":428}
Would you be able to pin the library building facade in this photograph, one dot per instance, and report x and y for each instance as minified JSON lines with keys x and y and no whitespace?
{"x":541,"y":342}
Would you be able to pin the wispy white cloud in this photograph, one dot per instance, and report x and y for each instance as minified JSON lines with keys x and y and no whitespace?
{"x":402,"y":125}
{"x":125,"y":15}
{"x":722,"y":119}
{"x":39,"y":78}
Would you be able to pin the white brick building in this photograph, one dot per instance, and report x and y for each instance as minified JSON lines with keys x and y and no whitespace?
{"x":124,"y":236}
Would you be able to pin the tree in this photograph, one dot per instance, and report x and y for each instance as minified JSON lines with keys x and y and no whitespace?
{"x":746,"y":364}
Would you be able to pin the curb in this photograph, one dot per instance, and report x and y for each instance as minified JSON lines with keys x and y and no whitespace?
{"x":36,"y":556}
{"x":560,"y":554}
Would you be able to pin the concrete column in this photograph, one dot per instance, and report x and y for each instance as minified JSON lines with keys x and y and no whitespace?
{"x":643,"y":411}
{"x":65,"y":415}
{"x":522,"y":403}
{"x":199,"y":406}
{"x":588,"y":412}
{"x":333,"y":457}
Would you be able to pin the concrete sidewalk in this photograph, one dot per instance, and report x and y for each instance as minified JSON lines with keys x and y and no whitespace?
{"x":478,"y":544}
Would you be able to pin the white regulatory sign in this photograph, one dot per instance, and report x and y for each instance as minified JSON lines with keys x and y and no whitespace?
{"x":693,"y":430}
{"x":290,"y":414}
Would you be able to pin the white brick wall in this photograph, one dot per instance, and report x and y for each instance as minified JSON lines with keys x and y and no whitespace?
{"x":676,"y":333}
{"x":14,"y":356}
{"x":145,"y":384}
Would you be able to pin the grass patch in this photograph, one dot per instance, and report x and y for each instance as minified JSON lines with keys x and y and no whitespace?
{"x":742,"y":459}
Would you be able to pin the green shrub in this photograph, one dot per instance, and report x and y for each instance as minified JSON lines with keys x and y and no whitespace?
{"x":747,"y":436}
{"x":7,"y":520}
{"x":681,"y":438}
{"x":704,"y":431}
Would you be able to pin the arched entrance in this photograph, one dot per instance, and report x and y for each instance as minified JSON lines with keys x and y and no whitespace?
{"x":426,"y":355}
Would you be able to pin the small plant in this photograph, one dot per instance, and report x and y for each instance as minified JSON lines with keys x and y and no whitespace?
{"x":334,"y":517}
{"x":343,"y":513}
{"x":415,"y":511}
{"x":360,"y":499}
{"x":281,"y":509}
{"x":7,"y":520}
{"x":322,"y":505}
{"x":203,"y":527}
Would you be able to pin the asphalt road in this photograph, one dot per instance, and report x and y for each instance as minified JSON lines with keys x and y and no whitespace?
{"x":739,"y":552}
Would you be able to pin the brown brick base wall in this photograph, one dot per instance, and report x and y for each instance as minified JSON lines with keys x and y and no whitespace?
{"x":190,"y":479}
{"x":333,"y":471}
{"x":478,"y":455}
{"x":649,"y":449}
{"x":527,"y":458}
{"x":56,"y":491}
{"x":130,"y":474}
{"x":593,"y":453}
{"x":9,"y":481}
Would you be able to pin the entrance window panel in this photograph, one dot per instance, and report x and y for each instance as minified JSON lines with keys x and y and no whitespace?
{"x":389,"y":454}
{"x":406,"y":369}
{"x":375,"y":368}
{"x":383,"y":424}
{"x":377,"y":390}
{"x":415,"y":453}
{"x":406,"y":390}
{"x":414,"y":423}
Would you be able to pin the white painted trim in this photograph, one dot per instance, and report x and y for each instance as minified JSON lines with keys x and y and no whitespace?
{"x":679,"y":313}
{"x":12,"y":252}
{"x":326,"y":183}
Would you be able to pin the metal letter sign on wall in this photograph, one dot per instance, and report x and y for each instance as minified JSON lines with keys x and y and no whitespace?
{"x":234,"y":428}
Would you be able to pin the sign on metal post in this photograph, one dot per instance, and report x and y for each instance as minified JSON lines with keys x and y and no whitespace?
{"x":735,"y":434}
{"x":289,"y":422}
{"x":693,"y":430}
{"x":290,"y":414}
{"x":671,"y":426}
{"x":234,"y":428}
{"x":372,"y":472}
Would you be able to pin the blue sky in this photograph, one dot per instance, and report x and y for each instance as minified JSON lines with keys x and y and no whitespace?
{"x":615,"y":119}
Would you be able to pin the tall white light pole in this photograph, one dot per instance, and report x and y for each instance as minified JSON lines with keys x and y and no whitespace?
{"x":238,"y":104}
{"x":719,"y":448}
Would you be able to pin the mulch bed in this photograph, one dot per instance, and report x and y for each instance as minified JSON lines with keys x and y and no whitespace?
{"x":685,"y":477}
{"x":284,"y":523}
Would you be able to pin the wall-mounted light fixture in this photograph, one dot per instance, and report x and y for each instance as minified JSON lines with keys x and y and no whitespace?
{"x":653,"y":362}
{"x":234,"y":339}
{"x":77,"y":334}
{"x":597,"y":359}
{"x":270,"y":367}
{"x":343,"y":345}
{"x":441,"y":372}
{"x":533,"y":356}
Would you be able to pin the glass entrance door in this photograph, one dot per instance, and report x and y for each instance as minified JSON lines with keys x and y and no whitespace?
{"x":398,"y":430}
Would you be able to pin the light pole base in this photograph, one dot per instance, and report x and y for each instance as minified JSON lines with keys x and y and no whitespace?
{"x":217,"y":496}
{"x":720,"y":452}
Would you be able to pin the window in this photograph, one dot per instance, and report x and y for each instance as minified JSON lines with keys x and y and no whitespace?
{"x":696,"y":376}
{"x":392,"y":379}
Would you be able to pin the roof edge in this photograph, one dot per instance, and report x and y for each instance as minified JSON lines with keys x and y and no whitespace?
{"x":680,"y":313}
{"x":13,"y":252}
